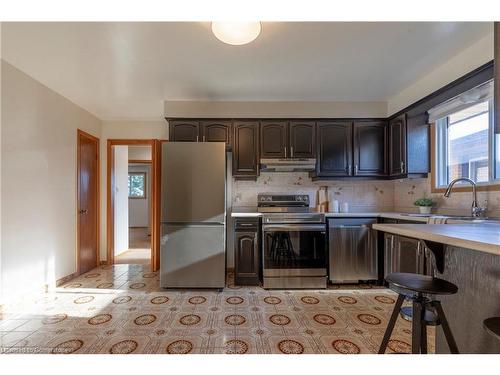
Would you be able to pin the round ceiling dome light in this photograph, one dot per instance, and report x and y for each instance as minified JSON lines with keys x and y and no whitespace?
{"x":236,"y":33}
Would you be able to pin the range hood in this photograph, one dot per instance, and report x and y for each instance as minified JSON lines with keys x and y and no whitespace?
{"x":288,"y":165}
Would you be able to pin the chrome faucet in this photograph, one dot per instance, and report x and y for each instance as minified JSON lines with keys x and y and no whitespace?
{"x":476,"y":211}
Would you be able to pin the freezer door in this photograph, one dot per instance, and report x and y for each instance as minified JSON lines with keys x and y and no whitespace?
{"x":192,"y":256}
{"x":193,"y":181}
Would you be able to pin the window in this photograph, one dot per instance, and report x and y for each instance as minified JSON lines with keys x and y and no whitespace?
{"x":465,"y":141}
{"x":137,"y":185}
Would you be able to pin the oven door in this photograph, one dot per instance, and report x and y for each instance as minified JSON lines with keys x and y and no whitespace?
{"x":294,"y":250}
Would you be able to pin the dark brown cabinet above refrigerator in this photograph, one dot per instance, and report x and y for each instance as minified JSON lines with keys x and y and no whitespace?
{"x":216,"y":131}
{"x":184,"y":131}
{"x":200,"y":131}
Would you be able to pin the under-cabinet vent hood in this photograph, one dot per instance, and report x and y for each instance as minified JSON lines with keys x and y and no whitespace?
{"x":288,"y":165}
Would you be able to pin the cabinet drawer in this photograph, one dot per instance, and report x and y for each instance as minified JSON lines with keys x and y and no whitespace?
{"x":246,"y":225}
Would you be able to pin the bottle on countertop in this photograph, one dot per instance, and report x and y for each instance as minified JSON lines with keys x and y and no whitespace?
{"x":322,"y":199}
{"x":335,"y":206}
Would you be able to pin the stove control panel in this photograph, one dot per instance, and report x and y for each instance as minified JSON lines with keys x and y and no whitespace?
{"x":286,"y":200}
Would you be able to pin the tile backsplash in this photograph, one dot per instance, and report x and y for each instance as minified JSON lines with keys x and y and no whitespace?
{"x":361,"y":195}
{"x":364,"y":195}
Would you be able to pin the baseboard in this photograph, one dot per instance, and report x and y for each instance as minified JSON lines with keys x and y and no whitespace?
{"x":65,"y":279}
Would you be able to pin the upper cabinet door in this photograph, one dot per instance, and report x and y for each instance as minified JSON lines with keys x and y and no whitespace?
{"x":302,"y":139}
{"x":334,"y":149}
{"x":273,"y":139}
{"x":246,"y":149}
{"x":370,"y":148}
{"x":184,"y":131}
{"x":216,"y":131}
{"x":397,"y":146}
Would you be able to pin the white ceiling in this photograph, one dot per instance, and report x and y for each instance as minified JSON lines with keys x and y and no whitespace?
{"x":127,"y":70}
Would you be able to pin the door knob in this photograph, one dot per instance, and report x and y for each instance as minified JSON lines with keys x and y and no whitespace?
{"x":84,"y":212}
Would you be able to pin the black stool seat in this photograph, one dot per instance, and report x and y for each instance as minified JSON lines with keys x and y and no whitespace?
{"x":492,"y":326}
{"x":421,"y":283}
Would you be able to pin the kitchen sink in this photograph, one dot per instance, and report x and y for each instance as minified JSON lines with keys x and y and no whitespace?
{"x":456,"y":218}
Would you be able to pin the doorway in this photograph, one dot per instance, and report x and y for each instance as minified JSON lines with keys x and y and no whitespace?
{"x":87,"y":202}
{"x":133,"y":175}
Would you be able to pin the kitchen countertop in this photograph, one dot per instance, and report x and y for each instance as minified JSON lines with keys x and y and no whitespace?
{"x":252,"y":212}
{"x":483,"y":237}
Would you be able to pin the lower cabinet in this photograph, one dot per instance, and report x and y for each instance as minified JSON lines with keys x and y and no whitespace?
{"x":247,"y":251}
{"x":403,"y":254}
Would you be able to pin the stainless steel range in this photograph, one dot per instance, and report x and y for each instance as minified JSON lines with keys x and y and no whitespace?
{"x":293,"y":242}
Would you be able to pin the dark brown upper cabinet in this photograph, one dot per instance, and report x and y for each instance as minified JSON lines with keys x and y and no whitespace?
{"x":334,"y":149}
{"x":397,"y":146}
{"x":216,"y":131}
{"x":273,"y":139}
{"x":246,"y":149}
{"x":302,"y":139}
{"x":184,"y":131}
{"x":370,"y":148}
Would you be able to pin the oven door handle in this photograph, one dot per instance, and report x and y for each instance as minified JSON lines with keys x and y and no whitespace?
{"x":294,"y":228}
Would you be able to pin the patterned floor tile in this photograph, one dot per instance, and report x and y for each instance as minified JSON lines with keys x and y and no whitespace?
{"x":122,"y":309}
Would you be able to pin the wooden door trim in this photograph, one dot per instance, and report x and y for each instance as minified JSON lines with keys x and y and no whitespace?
{"x":155,"y":195}
{"x":134,"y":161}
{"x":81,"y":133}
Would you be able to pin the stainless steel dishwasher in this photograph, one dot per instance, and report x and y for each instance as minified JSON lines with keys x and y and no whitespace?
{"x":352,"y":250}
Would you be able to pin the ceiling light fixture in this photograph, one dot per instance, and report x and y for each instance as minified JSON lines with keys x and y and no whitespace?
{"x":236,"y":33}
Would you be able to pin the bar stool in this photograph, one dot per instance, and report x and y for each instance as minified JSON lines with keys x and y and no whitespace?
{"x":424,"y":311}
{"x":492,"y":326}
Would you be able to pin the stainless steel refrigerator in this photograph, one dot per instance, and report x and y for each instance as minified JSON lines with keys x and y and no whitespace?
{"x":193,"y":215}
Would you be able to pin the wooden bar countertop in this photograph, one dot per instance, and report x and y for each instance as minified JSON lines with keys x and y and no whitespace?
{"x":483,"y":237}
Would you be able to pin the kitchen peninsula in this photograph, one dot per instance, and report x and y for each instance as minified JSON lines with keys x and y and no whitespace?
{"x":467,"y":255}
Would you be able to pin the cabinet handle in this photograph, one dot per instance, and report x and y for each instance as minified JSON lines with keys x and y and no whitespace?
{"x":203,"y":137}
{"x":402,"y":167}
{"x":285,"y":151}
{"x":355,"y":169}
{"x":291,"y":151}
{"x":349,"y":169}
{"x":255,"y":243}
{"x":246,"y":224}
{"x":197,"y":138}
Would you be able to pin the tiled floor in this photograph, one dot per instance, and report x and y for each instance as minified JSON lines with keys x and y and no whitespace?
{"x":122,"y":309}
{"x":139,"y":248}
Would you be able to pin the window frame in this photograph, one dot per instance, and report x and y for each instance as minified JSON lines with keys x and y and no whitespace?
{"x":144,"y":174}
{"x":439,"y":153}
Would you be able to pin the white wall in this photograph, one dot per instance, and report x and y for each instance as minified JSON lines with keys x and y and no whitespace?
{"x":466,"y":61}
{"x":38,"y":171}
{"x":139,"y":153}
{"x":123,"y":130}
{"x":121,"y":199}
{"x":274,"y":109}
{"x":139,"y":209}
